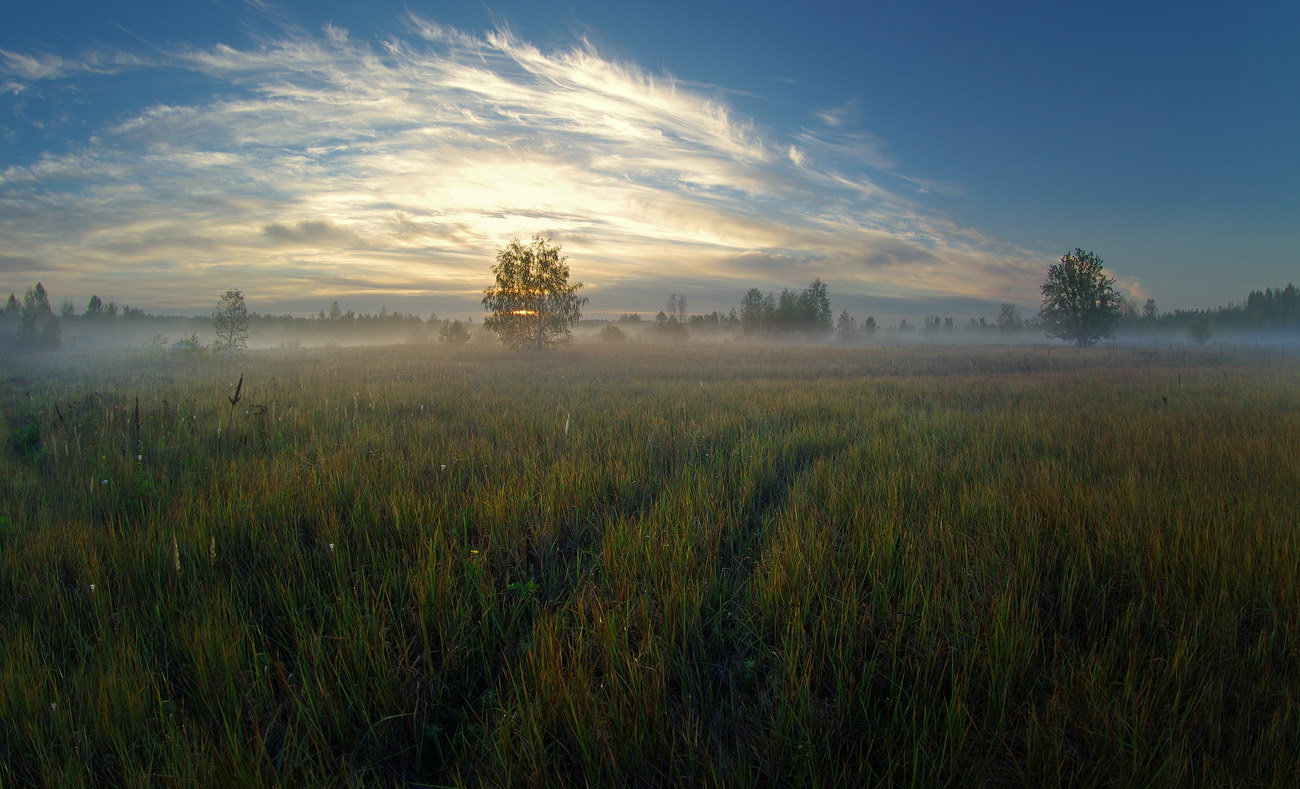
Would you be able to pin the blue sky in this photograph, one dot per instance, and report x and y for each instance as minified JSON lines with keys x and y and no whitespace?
{"x":920,"y":157}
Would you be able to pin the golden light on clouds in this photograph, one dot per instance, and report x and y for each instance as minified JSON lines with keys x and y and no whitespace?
{"x":325,"y":165}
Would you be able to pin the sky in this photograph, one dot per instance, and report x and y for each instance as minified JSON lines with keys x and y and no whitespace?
{"x":919,"y":157}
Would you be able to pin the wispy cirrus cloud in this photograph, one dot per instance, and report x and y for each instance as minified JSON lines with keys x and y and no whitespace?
{"x":45,"y":65}
{"x":399,"y":166}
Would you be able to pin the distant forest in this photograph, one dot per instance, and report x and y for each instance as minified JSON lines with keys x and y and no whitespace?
{"x":30,"y":323}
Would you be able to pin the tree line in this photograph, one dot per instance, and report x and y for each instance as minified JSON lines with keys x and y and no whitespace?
{"x":803,"y":315}
{"x":533,"y":304}
{"x":31,"y":324}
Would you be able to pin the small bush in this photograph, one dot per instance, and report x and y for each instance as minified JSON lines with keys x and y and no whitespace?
{"x":453,"y":333}
{"x":1200,"y":331}
{"x":25,"y":441}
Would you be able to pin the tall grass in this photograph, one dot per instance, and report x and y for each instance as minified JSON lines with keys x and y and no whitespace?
{"x":721,"y":566}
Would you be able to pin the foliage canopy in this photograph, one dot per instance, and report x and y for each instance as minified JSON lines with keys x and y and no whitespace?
{"x":1200,"y":331}
{"x":230,"y":322}
{"x":532,"y":302}
{"x":453,"y":333}
{"x":1080,"y":303}
{"x":806,"y":314}
{"x":38,"y":328}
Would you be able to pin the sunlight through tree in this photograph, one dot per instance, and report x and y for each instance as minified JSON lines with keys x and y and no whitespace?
{"x":532,"y":303}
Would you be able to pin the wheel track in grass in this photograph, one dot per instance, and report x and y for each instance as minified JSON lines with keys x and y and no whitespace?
{"x":734,"y":660}
{"x":558,"y":560}
{"x":712,"y":659}
{"x":720,"y":669}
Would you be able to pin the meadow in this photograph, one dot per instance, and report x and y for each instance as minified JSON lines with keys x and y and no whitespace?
{"x":711,"y":566}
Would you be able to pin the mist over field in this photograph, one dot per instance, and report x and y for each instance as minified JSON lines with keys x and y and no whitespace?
{"x":658,"y":564}
{"x":163,"y":333}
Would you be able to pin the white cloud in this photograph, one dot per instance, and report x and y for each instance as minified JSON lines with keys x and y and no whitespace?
{"x":838,"y":115}
{"x":32,"y":67}
{"x":45,"y":65}
{"x":406,"y":163}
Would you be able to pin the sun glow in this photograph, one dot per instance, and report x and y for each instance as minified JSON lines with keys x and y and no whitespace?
{"x":523,"y":312}
{"x":643,"y":178}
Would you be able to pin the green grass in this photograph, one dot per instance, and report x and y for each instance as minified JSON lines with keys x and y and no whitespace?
{"x":705,"y":566}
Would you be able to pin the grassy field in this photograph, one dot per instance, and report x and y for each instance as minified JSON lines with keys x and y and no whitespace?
{"x":706,"y":566}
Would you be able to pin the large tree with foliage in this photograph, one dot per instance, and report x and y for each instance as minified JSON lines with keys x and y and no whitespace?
{"x":815,"y":314}
{"x":755,"y":312}
{"x":1080,"y":303}
{"x":846,"y":328}
{"x":230,"y":322}
{"x":38,"y":327}
{"x":532,"y":302}
{"x":1009,"y":320}
{"x":9,"y":320}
